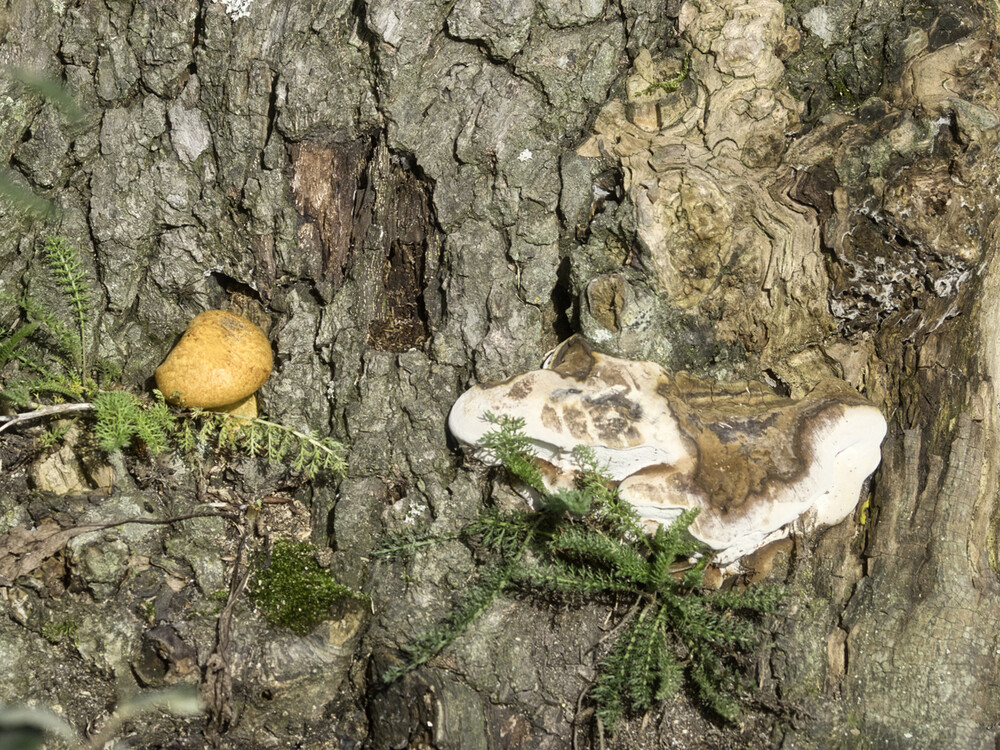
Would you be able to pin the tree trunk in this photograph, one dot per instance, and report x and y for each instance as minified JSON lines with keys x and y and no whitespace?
{"x":415,"y":196}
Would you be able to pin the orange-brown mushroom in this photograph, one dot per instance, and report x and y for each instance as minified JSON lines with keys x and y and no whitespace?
{"x":219,"y":363}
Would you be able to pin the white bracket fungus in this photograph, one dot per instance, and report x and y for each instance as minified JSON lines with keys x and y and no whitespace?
{"x":752,"y":461}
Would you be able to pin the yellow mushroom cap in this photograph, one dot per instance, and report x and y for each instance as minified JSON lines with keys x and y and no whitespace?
{"x":222,"y":358}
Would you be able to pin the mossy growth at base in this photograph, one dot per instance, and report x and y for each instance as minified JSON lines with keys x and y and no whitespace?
{"x":292,"y":590}
{"x":586,"y":543}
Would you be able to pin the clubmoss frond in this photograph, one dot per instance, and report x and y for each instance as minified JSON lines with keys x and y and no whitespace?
{"x":567,"y":579}
{"x":502,"y":532}
{"x":71,"y":278}
{"x":565,"y":500}
{"x":751,"y":599}
{"x":405,"y":544}
{"x":474,"y":602}
{"x":155,"y":424}
{"x":310,"y":453}
{"x":676,"y":628}
{"x":638,"y":670}
{"x":716,"y":684}
{"x":54,"y":434}
{"x":10,"y":344}
{"x":50,"y":386}
{"x":592,"y":547}
{"x":17,"y":393}
{"x":618,"y":518}
{"x":120,"y":417}
{"x":62,"y":340}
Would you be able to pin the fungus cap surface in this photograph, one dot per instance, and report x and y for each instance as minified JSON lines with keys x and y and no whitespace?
{"x":221,"y":359}
{"x":753,"y":462}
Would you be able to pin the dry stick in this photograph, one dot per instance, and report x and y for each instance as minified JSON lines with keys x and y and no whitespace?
{"x":172,"y":519}
{"x":46,"y":411}
{"x":83,"y":528}
{"x":217,"y":679}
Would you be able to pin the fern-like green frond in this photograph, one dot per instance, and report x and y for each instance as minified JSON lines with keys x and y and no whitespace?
{"x":429,"y":643}
{"x":71,"y":278}
{"x":563,"y":578}
{"x":594,"y":547}
{"x":9,"y":345}
{"x":53,"y":386}
{"x":121,"y":417}
{"x":54,"y":434}
{"x":504,"y":532}
{"x":750,"y":599}
{"x":671,"y":544}
{"x":639,"y":670}
{"x":155,"y":424}
{"x":70,"y":275}
{"x":617,"y":517}
{"x":61,"y":341}
{"x":17,"y":394}
{"x":715,"y":683}
{"x":310,"y":453}
{"x":565,"y":500}
{"x":404,"y":544}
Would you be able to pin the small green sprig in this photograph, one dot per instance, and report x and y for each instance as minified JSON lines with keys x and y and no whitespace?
{"x":121,"y":417}
{"x":511,"y":447}
{"x":11,"y":343}
{"x":671,"y":84}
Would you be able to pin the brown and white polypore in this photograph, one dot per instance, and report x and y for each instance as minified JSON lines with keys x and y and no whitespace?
{"x":752,"y":461}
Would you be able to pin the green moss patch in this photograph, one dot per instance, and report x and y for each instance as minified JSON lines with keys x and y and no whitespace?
{"x":292,"y":590}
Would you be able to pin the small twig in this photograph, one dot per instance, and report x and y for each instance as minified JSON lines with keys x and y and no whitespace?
{"x":46,"y":411}
{"x":622,"y":623}
{"x":276,"y":500}
{"x":217,"y":680}
{"x":173,"y":519}
{"x":579,"y":716}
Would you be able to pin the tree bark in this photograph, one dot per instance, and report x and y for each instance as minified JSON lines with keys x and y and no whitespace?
{"x":415,"y":196}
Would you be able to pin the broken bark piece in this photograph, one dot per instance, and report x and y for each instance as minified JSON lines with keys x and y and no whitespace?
{"x":752,"y":461}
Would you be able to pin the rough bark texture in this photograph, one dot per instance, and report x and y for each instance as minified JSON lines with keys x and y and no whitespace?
{"x":411,"y":196}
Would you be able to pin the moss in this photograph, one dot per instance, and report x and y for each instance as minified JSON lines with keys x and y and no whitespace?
{"x":671,"y":84}
{"x":56,"y":632}
{"x":292,"y":590}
